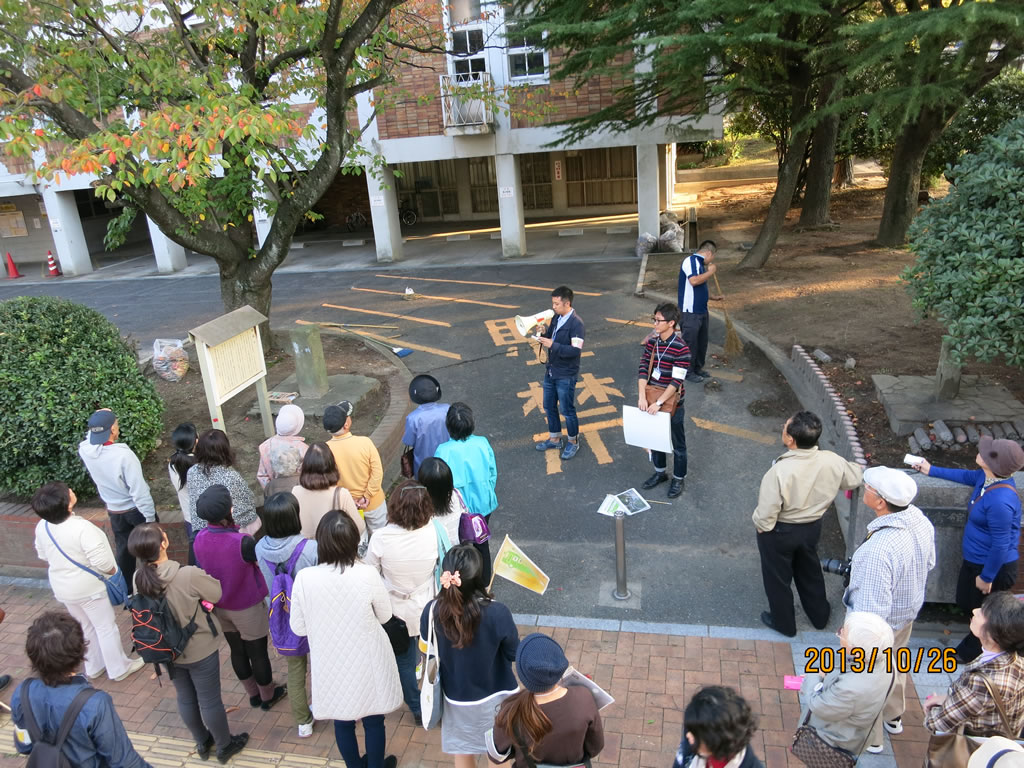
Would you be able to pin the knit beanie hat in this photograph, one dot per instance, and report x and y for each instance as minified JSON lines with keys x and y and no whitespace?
{"x":214,"y":504}
{"x":540,"y":663}
{"x":290,"y":420}
{"x":1003,"y":457}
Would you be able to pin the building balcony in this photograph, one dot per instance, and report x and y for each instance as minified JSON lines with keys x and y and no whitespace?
{"x":466,"y":105}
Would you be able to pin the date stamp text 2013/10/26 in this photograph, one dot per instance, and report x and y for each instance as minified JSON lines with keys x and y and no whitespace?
{"x":826,"y":660}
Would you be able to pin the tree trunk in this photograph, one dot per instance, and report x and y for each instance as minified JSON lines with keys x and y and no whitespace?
{"x":818,"y":193}
{"x":842,"y":177}
{"x":239,"y":286}
{"x":905,"y":176}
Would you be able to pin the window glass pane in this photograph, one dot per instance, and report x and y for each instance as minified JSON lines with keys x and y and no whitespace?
{"x":460,"y":43}
{"x":476,"y":40}
{"x":478,"y":65}
{"x":535,"y":63}
{"x":517,"y":65}
{"x":461,"y":67}
{"x":465,"y":10}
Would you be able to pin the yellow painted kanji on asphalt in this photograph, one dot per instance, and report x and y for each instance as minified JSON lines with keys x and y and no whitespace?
{"x":503,"y":332}
{"x":596,"y":388}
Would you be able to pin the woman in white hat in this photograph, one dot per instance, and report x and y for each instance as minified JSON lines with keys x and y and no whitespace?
{"x":992,"y":531}
{"x":998,"y":752}
{"x":289,"y":422}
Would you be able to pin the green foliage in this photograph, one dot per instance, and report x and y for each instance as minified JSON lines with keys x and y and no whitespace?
{"x":969,"y":271}
{"x":62,"y":361}
{"x":119,"y":227}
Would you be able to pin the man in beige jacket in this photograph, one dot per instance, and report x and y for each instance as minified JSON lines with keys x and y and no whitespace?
{"x":794,"y":495}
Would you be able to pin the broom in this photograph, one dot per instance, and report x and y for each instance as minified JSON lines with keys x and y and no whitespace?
{"x":733,"y":345}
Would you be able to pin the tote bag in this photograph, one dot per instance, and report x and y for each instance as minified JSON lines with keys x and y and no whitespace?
{"x":431,"y":698}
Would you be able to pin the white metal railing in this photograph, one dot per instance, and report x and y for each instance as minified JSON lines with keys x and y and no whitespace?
{"x":463,"y":100}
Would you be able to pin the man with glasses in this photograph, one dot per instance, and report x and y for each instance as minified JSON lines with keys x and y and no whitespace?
{"x":694,"y":273}
{"x":663,"y":367}
{"x":563,"y":339}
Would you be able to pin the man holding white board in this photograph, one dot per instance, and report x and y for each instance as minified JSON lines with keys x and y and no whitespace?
{"x":663,"y":367}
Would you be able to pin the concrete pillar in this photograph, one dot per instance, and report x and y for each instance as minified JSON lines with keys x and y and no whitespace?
{"x":310,"y":367}
{"x":387,"y":228}
{"x":510,"y":206}
{"x":66,"y":227}
{"x":463,"y":187}
{"x":647,"y":188}
{"x":559,"y":189}
{"x":170,"y":257}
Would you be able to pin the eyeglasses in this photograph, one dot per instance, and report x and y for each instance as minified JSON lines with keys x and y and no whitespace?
{"x":659,"y":319}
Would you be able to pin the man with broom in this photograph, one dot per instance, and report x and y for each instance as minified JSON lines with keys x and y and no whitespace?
{"x":694,"y":273}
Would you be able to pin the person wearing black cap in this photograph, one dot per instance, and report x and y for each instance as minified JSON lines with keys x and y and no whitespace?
{"x":546,"y":722}
{"x":229,"y":556}
{"x":424,"y":427}
{"x":117,"y":474}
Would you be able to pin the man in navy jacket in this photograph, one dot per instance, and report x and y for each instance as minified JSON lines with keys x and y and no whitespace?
{"x":563,"y":339}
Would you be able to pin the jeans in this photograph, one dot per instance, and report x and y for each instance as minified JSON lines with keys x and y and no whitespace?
{"x":103,"y":639}
{"x":373,"y":733}
{"x":199,"y":702}
{"x":122,"y":524}
{"x":695,"y":334}
{"x":678,"y":426}
{"x":407,"y":674}
{"x":561,"y":393}
{"x":297,"y":689}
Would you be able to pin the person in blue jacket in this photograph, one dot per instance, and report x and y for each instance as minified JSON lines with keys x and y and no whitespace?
{"x":563,"y":339}
{"x":56,"y":647}
{"x":992,"y":532}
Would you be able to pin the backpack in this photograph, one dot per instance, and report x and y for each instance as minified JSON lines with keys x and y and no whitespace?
{"x":48,"y":754}
{"x":157,"y":636}
{"x":284,"y":639}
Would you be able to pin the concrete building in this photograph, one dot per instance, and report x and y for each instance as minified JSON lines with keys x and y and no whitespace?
{"x":449,"y":155}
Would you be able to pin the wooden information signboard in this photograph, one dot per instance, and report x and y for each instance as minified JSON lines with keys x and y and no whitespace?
{"x":230,"y":355}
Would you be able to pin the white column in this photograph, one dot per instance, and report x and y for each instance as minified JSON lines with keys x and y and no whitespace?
{"x":170,"y":256}
{"x":510,"y":206}
{"x":559,"y":189}
{"x":66,"y":227}
{"x":387,"y":229}
{"x":463,"y":188}
{"x":647,"y":188}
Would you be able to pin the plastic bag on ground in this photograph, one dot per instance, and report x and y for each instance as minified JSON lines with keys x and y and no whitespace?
{"x":170,"y":360}
{"x":670,"y":240}
{"x":645,"y":244}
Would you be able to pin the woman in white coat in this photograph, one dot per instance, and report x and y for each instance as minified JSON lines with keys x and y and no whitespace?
{"x":340,"y":605}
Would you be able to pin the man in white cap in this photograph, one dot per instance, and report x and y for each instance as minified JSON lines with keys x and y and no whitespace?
{"x":117,"y":474}
{"x":889,"y":572}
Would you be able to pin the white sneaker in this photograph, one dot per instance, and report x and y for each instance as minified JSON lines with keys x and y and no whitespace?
{"x":893,"y":726}
{"x":875,"y":748}
{"x":133,"y":667}
{"x":96,"y":675}
{"x":305,"y":730}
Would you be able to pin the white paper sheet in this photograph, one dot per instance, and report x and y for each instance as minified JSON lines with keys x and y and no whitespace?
{"x":641,"y":429}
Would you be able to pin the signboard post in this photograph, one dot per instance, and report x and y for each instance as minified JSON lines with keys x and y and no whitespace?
{"x":230,"y":355}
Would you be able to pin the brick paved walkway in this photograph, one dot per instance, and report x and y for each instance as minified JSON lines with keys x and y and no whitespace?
{"x":651,"y":676}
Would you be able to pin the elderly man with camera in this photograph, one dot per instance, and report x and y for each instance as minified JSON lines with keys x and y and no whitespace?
{"x":889,"y":571}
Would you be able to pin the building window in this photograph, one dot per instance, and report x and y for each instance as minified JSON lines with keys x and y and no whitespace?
{"x":535,"y":176}
{"x":526,"y":56}
{"x":483,"y":184}
{"x":428,"y":187}
{"x":468,"y":58}
{"x":601,"y":177}
{"x":463,"y":11}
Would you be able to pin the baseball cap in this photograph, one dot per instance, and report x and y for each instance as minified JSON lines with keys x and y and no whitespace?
{"x":100,"y":424}
{"x":335,"y":416}
{"x":893,"y":485}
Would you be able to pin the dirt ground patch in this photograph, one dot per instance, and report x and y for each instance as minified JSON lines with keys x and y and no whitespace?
{"x":833,"y":289}
{"x":185,"y":401}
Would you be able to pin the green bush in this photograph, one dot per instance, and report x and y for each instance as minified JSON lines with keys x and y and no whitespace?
{"x":59,"y":362}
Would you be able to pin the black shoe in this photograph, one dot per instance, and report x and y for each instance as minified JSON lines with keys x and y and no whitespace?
{"x":824,"y":624}
{"x":695,"y":378}
{"x":653,"y":480}
{"x":390,"y":762}
{"x":203,"y":750}
{"x":418,"y":719}
{"x":279,"y":693}
{"x":236,"y":745}
{"x":768,"y":621}
{"x":5,"y":680}
{"x":676,"y":488}
{"x":255,"y":701}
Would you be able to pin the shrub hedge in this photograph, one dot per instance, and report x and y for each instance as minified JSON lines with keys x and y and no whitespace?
{"x":59,"y":362}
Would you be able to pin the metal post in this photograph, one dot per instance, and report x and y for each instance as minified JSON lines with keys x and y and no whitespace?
{"x":621,"y":590}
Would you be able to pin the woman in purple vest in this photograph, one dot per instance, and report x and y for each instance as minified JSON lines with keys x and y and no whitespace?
{"x":229,"y":556}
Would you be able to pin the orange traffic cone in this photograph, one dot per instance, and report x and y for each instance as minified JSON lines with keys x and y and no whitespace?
{"x":12,"y":269}
{"x":52,"y":270}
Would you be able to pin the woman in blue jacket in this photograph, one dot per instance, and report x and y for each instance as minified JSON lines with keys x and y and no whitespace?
{"x":56,"y":647}
{"x":992,"y":531}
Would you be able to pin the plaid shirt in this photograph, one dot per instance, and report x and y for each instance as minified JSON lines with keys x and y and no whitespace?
{"x":969,"y":703}
{"x":890,"y":569}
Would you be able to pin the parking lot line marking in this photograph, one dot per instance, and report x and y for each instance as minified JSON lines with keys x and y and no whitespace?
{"x":727,"y":375}
{"x":480,"y":282}
{"x":389,"y":314}
{"x":537,"y":362}
{"x":604,"y":410}
{"x":727,"y":429}
{"x":388,"y":341}
{"x":625,"y":322}
{"x":439,"y":298}
{"x":552,"y":462}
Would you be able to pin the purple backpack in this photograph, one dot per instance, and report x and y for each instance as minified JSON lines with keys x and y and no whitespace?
{"x":284,"y":639}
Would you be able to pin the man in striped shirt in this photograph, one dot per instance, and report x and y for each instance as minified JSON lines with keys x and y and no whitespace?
{"x":694,"y":273}
{"x":663,"y":367}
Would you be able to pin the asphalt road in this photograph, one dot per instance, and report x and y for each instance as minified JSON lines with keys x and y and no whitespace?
{"x":691,"y":561}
